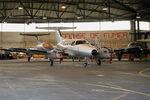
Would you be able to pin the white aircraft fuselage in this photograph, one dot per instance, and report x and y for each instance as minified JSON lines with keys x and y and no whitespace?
{"x":76,"y":47}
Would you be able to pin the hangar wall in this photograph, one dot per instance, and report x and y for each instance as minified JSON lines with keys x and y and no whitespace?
{"x":114,"y":39}
{"x":14,"y":39}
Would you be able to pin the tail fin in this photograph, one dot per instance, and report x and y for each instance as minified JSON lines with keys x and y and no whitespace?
{"x":58,"y":33}
{"x":58,"y":36}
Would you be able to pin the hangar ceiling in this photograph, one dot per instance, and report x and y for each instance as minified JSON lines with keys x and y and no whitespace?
{"x":41,"y":11}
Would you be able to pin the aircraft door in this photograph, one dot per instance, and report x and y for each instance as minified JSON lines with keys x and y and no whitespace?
{"x":74,"y":49}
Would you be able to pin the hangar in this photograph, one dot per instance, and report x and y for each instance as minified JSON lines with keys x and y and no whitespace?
{"x":109,"y":23}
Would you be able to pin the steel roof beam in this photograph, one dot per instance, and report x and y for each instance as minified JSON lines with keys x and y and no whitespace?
{"x":125,"y":6}
{"x":99,"y":11}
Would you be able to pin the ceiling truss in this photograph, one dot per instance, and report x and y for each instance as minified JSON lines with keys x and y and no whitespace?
{"x":42,"y":11}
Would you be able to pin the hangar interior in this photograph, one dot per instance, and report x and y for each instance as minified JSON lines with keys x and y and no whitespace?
{"x":109,"y":23}
{"x":27,"y":12}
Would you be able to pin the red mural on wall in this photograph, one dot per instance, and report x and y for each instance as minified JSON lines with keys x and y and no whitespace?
{"x":96,"y":35}
{"x":74,"y":35}
{"x":116,"y":35}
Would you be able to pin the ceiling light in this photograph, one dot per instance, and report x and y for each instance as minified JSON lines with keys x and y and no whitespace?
{"x":105,"y":8}
{"x":79,"y":17}
{"x":138,"y":16}
{"x":63,"y":7}
{"x":44,"y":17}
{"x":20,"y":8}
{"x":5,"y":22}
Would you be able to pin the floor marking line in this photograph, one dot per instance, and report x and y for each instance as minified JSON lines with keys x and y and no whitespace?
{"x":142,"y":72}
{"x":109,"y":84}
{"x":120,"y":96}
{"x":105,"y":86}
{"x":117,"y":88}
{"x":10,"y":86}
{"x":14,"y":91}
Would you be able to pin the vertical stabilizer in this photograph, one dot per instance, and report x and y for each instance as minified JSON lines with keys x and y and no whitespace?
{"x":58,"y":36}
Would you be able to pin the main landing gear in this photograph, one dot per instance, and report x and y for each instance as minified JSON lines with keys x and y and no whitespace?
{"x":99,"y":62}
{"x":51,"y":62}
{"x":86,"y":62}
{"x":29,"y":58}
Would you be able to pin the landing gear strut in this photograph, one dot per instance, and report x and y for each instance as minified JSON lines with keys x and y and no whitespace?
{"x":85,"y":65}
{"x":61,"y":59}
{"x":99,"y":62}
{"x":29,"y":58}
{"x":51,"y":62}
{"x":86,"y":62}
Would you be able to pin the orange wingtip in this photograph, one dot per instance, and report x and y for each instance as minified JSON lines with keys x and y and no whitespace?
{"x":47,"y":45}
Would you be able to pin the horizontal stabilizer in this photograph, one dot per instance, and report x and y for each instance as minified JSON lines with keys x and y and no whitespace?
{"x":56,"y":28}
{"x":34,"y":34}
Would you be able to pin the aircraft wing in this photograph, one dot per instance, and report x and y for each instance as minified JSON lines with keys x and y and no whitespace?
{"x":15,"y":50}
{"x":128,"y":50}
{"x":34,"y":34}
{"x":24,"y":50}
{"x":37,"y":52}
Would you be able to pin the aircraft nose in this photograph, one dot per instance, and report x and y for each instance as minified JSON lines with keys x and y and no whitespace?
{"x":94,"y":52}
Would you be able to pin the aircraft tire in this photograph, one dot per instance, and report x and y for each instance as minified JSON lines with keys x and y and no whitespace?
{"x":29,"y":58}
{"x":51,"y":62}
{"x":99,"y":62}
{"x":85,"y":65}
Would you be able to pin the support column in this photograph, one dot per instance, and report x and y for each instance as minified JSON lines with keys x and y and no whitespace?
{"x":1,"y":36}
{"x":133,"y":30}
{"x":138,"y":30}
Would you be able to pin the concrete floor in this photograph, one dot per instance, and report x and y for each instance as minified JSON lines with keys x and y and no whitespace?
{"x":36,"y":80}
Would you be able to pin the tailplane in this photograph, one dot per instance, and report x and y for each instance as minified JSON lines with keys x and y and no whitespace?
{"x":34,"y":35}
{"x":58,"y":33}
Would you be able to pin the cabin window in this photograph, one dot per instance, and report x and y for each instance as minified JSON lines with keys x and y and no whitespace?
{"x":73,"y":43}
{"x":81,"y":42}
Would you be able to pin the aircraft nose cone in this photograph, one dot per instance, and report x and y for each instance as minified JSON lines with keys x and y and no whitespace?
{"x":94,"y":52}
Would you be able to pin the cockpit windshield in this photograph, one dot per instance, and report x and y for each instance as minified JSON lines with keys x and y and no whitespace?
{"x":81,"y":42}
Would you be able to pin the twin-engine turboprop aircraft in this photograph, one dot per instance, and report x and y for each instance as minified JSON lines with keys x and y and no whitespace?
{"x":77,"y":47}
{"x":65,"y":47}
{"x":134,"y":50}
{"x":41,"y":48}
